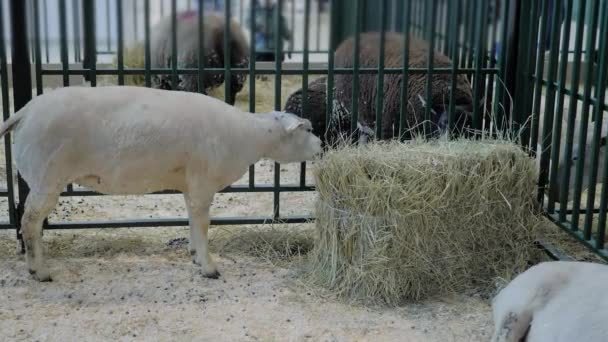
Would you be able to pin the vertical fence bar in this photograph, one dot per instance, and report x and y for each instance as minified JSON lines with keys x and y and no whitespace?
{"x":201,"y":44}
{"x":278,"y":49}
{"x":524,"y":100}
{"x":90,"y":42}
{"x":147,"y":52}
{"x":293,"y":25}
{"x":479,"y":55}
{"x":455,"y":30}
{"x":37,"y":50}
{"x":251,"y":76}
{"x":600,"y":88}
{"x":429,"y":65}
{"x":490,"y":60}
{"x":470,"y":52}
{"x":557,"y":127}
{"x":76,"y":23}
{"x":108,"y":26}
{"x":500,"y":106}
{"x":405,"y":71}
{"x":46,"y":31}
{"x":571,"y":121}
{"x":549,"y":124}
{"x":228,"y":96}
{"x":601,"y":96}
{"x":538,"y":75}
{"x":333,"y":42}
{"x":355,"y":90}
{"x":582,"y":142}
{"x":4,"y":85}
{"x":120,"y":43}
{"x":63,"y":43}
{"x":22,"y":85}
{"x":174,"y":78}
{"x":319,"y":25}
{"x":305,"y":78}
{"x":380,"y":84}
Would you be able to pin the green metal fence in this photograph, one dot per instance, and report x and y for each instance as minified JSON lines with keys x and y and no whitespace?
{"x":525,"y":73}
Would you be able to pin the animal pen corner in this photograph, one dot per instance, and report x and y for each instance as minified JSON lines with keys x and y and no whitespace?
{"x":532,"y":65}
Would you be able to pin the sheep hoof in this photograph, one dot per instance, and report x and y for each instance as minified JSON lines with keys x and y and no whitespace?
{"x":42,"y":276}
{"x":213,"y":275}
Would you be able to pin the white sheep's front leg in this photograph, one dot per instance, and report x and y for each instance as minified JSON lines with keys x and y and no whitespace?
{"x":198,"y":212}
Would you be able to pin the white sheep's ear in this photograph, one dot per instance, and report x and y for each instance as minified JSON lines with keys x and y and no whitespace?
{"x":292,"y":126}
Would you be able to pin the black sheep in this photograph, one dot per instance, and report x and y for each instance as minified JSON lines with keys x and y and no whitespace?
{"x":368,"y":57}
{"x":187,"y":50}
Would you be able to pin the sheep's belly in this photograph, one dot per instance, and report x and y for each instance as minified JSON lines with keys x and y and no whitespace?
{"x":141,"y":184}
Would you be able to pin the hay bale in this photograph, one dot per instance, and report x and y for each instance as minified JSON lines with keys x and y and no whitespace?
{"x":408,"y":221}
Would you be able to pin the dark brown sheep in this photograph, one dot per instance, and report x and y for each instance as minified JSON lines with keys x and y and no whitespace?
{"x":187,"y":49}
{"x":368,"y":57}
{"x":418,"y":55}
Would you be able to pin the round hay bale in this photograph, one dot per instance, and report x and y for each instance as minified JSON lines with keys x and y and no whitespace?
{"x":406,"y":221}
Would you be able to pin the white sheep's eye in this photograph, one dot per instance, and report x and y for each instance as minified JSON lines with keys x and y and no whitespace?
{"x":309,"y":130}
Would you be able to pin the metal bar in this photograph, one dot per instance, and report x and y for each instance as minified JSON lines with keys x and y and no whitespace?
{"x":230,"y":189}
{"x":201,"y":45}
{"x":147,"y":52}
{"x":600,"y":90}
{"x":90,"y":43}
{"x":355,"y":91}
{"x":278,"y":52}
{"x":76,"y":28}
{"x":538,"y":76}
{"x":333,"y":42}
{"x":578,"y":42}
{"x":501,"y":113}
{"x":4,"y":88}
{"x":108,"y":26}
{"x":305,"y":78}
{"x":227,"y":59}
{"x":174,"y":80}
{"x":319,"y":25}
{"x":175,"y":222}
{"x":550,"y":126}
{"x":37,"y":52}
{"x":557,"y":128}
{"x":46,"y":30}
{"x":479,"y":52}
{"x":293,"y":24}
{"x":578,"y":179}
{"x":252,"y":74}
{"x":22,"y":85}
{"x":491,"y":61}
{"x":341,"y":71}
{"x":429,"y":63}
{"x":64,"y":43}
{"x":454,"y":27}
{"x":120,"y":43}
{"x":405,"y":70}
{"x":380,"y":84}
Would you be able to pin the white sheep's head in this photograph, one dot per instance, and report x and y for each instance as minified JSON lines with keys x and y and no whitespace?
{"x":297,"y":142}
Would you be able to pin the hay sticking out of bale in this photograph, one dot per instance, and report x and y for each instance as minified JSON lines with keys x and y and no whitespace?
{"x":409,"y":221}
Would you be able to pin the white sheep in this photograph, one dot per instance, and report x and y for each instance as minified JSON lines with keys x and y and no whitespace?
{"x":120,"y":140}
{"x":553,"y":302}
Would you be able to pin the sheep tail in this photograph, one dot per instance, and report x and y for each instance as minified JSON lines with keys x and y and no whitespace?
{"x":11,"y":123}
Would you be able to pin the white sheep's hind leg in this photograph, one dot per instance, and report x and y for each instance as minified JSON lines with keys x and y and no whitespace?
{"x":38,"y":206}
{"x":198,"y":212}
{"x":193,"y":231}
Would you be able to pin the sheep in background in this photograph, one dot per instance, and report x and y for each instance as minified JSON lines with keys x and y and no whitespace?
{"x":369,"y":48}
{"x":187,"y":50}
{"x":553,"y":302}
{"x":119,"y":140}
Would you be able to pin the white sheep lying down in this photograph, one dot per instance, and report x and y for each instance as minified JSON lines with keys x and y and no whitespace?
{"x":552,"y":302}
{"x":135,"y":140}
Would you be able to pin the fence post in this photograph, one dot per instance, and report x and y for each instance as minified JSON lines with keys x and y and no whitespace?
{"x":22,"y":85}
{"x":90,"y":47}
{"x":512,"y":47}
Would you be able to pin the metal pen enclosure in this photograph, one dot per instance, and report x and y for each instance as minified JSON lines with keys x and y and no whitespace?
{"x":525,"y":60}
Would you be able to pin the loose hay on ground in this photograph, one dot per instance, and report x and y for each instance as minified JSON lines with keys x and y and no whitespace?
{"x":408,"y":221}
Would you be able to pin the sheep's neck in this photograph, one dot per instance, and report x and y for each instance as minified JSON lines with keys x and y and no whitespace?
{"x":262,"y":135}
